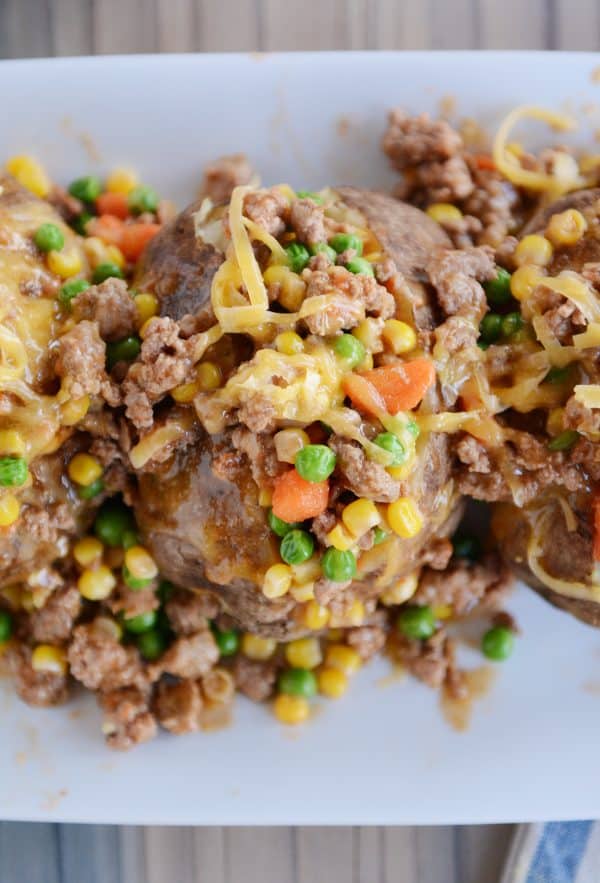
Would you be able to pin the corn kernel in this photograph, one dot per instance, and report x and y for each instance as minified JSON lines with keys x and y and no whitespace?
{"x":265,"y":496}
{"x":355,"y":614}
{"x":121,"y":181}
{"x":555,"y":421}
{"x":303,"y":592}
{"x":11,"y":443}
{"x":442,"y":611}
{"x":65,"y":263}
{"x":95,"y":251}
{"x":115,"y":256}
{"x":9,"y":510}
{"x":75,"y":410}
{"x":340,"y":538}
{"x":367,"y":363}
{"x":566,"y":228}
{"x":146,"y":306}
{"x":533,"y":249}
{"x":442,"y":212}
{"x":288,"y":342}
{"x":291,"y":709}
{"x":314,"y":616}
{"x":288,"y":442}
{"x":332,"y":682}
{"x":277,"y":581}
{"x":218,"y":686}
{"x":185,"y":393}
{"x":48,"y":658}
{"x":308,"y":570}
{"x":402,"y":591}
{"x":84,"y":469}
{"x":360,"y":516}
{"x":139,"y":563}
{"x":292,"y":287}
{"x":257,"y":648}
{"x":404,"y":518}
{"x":109,"y":626}
{"x":96,"y":584}
{"x":30,"y":174}
{"x":87,"y":551}
{"x":399,"y":336}
{"x":208,"y":376}
{"x":342,"y":657}
{"x":524,"y":281}
{"x":142,"y":330}
{"x":369,"y":333}
{"x":304,"y":653}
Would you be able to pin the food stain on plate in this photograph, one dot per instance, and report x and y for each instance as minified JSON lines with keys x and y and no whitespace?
{"x":53,"y":798}
{"x":397,"y":674}
{"x":85,"y":139}
{"x":458,"y":710}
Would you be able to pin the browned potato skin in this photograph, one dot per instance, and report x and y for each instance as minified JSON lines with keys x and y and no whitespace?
{"x":205,"y":532}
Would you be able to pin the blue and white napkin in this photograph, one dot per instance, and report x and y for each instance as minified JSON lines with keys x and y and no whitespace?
{"x":555,"y":852}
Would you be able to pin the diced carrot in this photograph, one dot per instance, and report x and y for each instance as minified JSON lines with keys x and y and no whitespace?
{"x":363,"y":394}
{"x":108,"y":228}
{"x":113,"y":204}
{"x":402,"y":386}
{"x":135,"y":238}
{"x":295,"y":499}
{"x":596,"y":508}
{"x":485,"y":162}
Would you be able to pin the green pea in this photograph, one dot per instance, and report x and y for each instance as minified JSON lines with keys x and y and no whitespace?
{"x":80,"y":222}
{"x":391,"y":443}
{"x":323,"y":248}
{"x":151,"y":644}
{"x":564,"y":441}
{"x":278,"y":526}
{"x":360,"y":265}
{"x":343,"y":241}
{"x":338,"y":566}
{"x":112,"y":522}
{"x":483,"y":345}
{"x":315,"y":462}
{"x":130,"y":538}
{"x":310,"y":194}
{"x":558,"y":375}
{"x":87,"y":189}
{"x":133,"y":582}
{"x":49,"y":237}
{"x":297,"y":682}
{"x":71,"y":289}
{"x":511,"y":323}
{"x":165,"y":590}
{"x":349,"y":348}
{"x":104,"y":271}
{"x":142,"y":199}
{"x":126,"y":350}
{"x":498,"y":290}
{"x":88,"y":492}
{"x":466,"y":546}
{"x":227,"y":640}
{"x":141,"y":623}
{"x":6,"y":626}
{"x":416,"y":622}
{"x":497,"y":643}
{"x":298,"y":256}
{"x":379,"y":535}
{"x":490,"y":327}
{"x":13,"y":471}
{"x":296,"y":546}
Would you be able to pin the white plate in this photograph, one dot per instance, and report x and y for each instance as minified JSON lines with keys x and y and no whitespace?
{"x":380,"y":755}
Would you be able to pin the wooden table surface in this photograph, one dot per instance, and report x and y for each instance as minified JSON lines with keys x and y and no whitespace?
{"x":102,"y":854}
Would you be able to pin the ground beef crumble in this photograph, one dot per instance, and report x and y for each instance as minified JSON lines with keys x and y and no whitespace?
{"x":127,"y":718}
{"x":223,"y":175}
{"x":110,"y":305}
{"x":81,"y":364}
{"x":362,"y":476}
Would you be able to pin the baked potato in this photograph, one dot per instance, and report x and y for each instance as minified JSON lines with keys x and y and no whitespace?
{"x":203,"y":512}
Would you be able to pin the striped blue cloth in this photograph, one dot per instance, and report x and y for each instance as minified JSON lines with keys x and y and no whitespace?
{"x":555,"y":852}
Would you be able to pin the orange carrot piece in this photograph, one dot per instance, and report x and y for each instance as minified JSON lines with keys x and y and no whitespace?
{"x":402,"y":386}
{"x":295,"y":499}
{"x":135,"y":238}
{"x":113,"y":204}
{"x":485,"y":162}
{"x":108,"y":228}
{"x":364,"y":395}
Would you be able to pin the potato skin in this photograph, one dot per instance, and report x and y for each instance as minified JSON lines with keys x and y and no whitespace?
{"x":208,"y":532}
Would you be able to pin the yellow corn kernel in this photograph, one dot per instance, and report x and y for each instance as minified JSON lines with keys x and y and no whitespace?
{"x":524,"y":281}
{"x":257,"y":648}
{"x":75,"y":410}
{"x":360,"y":516}
{"x":48,"y":658}
{"x":533,"y":249}
{"x":442,"y":212}
{"x":265,"y":496}
{"x":65,"y":263}
{"x":11,"y":443}
{"x":442,"y":611}
{"x":291,"y":709}
{"x":84,"y":469}
{"x":304,"y":653}
{"x":355,"y":614}
{"x":340,"y":538}
{"x":109,"y":626}
{"x":291,"y":287}
{"x":566,"y":228}
{"x":140,"y":563}
{"x":303,"y":592}
{"x":555,"y":421}
{"x":369,"y":333}
{"x":288,"y":342}
{"x":96,"y":584}
{"x":307,"y":571}
{"x":115,"y":256}
{"x":404,"y":518}
{"x":399,"y":336}
{"x":121,"y":181}
{"x":342,"y":657}
{"x":277,"y":581}
{"x":95,"y":250}
{"x":142,"y":330}
{"x":288,"y":442}
{"x":30,"y":174}
{"x":332,"y":682}
{"x":218,"y":686}
{"x":314,"y":616}
{"x":87,"y":551}
{"x":185,"y":393}
{"x":402,"y":591}
{"x":9,"y":510}
{"x":146,"y":306}
{"x":208,"y":376}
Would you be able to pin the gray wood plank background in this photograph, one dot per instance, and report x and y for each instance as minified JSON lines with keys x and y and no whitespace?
{"x":104,"y":854}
